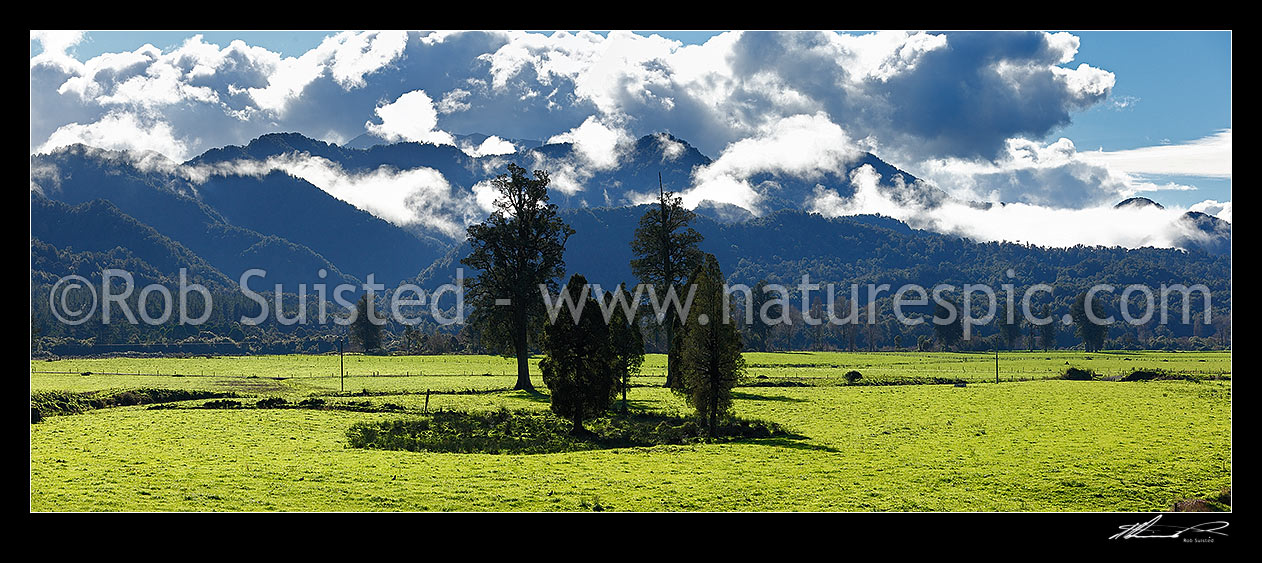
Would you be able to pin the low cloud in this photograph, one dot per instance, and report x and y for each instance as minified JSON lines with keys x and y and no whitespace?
{"x":1130,"y":227}
{"x":671,"y":149}
{"x":120,"y":131}
{"x":802,"y":146}
{"x":1219,"y":209}
{"x":1208,"y":157}
{"x":1051,"y":175}
{"x":1033,"y":173}
{"x":418,"y":197}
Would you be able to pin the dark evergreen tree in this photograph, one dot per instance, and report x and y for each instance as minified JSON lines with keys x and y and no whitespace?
{"x":579,"y":366}
{"x":711,"y":361}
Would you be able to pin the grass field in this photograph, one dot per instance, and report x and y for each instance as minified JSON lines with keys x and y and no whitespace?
{"x":1030,"y":443}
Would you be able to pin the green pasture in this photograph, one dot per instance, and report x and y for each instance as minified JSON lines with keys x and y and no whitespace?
{"x":1029,"y":443}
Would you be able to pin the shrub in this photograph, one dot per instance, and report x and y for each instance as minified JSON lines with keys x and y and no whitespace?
{"x":1078,"y":374}
{"x":852,"y":376}
{"x":271,"y":403}
{"x":127,"y":399}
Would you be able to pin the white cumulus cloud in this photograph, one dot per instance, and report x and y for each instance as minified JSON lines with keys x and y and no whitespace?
{"x":598,"y":143}
{"x":490,"y":146}
{"x":411,"y":117}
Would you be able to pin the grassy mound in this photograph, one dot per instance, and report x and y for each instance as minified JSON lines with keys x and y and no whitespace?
{"x":535,"y":432}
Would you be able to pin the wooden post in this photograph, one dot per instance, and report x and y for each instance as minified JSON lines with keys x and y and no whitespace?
{"x":341,"y":364}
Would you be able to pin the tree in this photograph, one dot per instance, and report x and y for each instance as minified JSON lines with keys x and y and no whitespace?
{"x":1009,"y":329}
{"x":948,"y":334}
{"x":710,"y":351}
{"x":819,"y":332}
{"x":1222,"y":328}
{"x":626,"y":341}
{"x":366,"y":329}
{"x":665,"y":250}
{"x":1091,"y":333}
{"x":1047,"y":332}
{"x":413,"y":339}
{"x":873,"y":329}
{"x":579,"y":362}
{"x":519,"y":248}
{"x":760,"y":332}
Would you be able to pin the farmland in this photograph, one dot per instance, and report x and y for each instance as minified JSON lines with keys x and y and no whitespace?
{"x":1028,"y":443}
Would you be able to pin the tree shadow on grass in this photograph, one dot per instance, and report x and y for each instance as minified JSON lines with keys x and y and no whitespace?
{"x":757,"y":397}
{"x":533,"y":395}
{"x":634,"y":406}
{"x":793,"y":442}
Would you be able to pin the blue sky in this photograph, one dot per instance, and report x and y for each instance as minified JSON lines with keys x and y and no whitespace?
{"x":981,"y":115}
{"x":1180,"y":83}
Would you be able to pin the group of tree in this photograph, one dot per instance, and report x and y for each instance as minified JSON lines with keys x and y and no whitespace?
{"x":591,"y":350}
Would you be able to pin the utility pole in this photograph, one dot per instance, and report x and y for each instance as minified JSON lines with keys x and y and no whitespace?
{"x":996,"y":362}
{"x":341,"y":363}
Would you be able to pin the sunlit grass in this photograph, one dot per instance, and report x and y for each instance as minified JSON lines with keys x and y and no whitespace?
{"x":1020,"y":446}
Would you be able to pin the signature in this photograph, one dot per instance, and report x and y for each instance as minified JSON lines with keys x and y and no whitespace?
{"x":1151,"y":529}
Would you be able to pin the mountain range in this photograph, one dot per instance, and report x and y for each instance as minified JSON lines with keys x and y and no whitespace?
{"x":256,"y":206}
